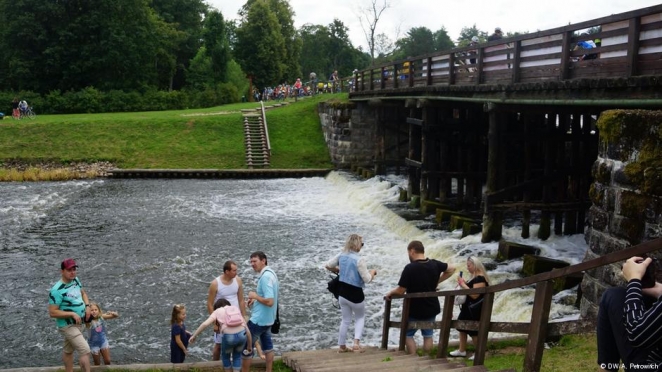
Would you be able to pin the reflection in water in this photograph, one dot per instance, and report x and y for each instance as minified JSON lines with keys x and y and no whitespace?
{"x":144,"y":245}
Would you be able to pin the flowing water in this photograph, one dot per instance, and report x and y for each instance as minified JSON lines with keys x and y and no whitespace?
{"x":144,"y":245}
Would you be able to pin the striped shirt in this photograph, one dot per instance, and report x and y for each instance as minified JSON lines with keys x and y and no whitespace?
{"x":643,"y":326}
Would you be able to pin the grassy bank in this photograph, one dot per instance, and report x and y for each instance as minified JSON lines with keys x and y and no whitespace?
{"x":202,"y":138}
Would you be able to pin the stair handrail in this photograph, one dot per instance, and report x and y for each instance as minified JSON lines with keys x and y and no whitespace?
{"x":537,"y":328}
{"x":266,"y":128}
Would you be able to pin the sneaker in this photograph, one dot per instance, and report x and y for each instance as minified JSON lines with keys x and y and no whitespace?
{"x":472,"y":357}
{"x":457,"y":353}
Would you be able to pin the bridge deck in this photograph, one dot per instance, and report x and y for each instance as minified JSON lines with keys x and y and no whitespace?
{"x":629,"y":46}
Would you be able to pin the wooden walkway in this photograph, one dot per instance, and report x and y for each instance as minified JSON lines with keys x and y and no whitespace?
{"x":374,"y":359}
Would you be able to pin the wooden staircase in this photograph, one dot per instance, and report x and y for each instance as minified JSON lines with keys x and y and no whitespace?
{"x":256,"y":141}
{"x":373,"y":359}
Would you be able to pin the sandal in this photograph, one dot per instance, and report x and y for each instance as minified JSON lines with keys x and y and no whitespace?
{"x":344,"y":350}
{"x":358,"y":349}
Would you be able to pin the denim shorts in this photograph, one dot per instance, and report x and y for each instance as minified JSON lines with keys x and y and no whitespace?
{"x":425,"y":332}
{"x":264,"y":334}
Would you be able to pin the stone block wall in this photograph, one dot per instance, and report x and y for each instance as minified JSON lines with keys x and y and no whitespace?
{"x":349,"y":132}
{"x":626,"y":195}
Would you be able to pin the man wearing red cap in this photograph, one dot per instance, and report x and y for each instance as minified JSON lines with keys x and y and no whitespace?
{"x":69,"y":305}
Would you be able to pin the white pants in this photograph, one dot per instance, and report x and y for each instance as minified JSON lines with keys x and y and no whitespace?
{"x":347,"y":308}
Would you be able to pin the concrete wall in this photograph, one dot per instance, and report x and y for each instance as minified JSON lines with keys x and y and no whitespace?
{"x":626,"y":194}
{"x":350,"y":132}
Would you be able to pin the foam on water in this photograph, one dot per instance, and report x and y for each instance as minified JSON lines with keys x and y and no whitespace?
{"x":144,"y":245}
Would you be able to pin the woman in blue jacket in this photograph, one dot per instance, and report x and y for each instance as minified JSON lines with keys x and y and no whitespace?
{"x":354,"y":274}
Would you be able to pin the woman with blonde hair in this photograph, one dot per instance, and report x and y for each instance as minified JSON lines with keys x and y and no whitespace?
{"x":471,"y":308}
{"x":354,"y":274}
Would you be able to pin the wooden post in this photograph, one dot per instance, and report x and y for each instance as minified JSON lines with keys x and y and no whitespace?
{"x":451,"y":68}
{"x":526,"y":196}
{"x":538,"y":327}
{"x":479,"y":66}
{"x":387,"y":321}
{"x":429,"y":72}
{"x":633,"y":47}
{"x":445,"y":331}
{"x":492,"y":226}
{"x":484,"y":330}
{"x":404,"y":323}
{"x":429,"y":155}
{"x":516,"y":61}
{"x":411,"y":74}
{"x":565,"y":56}
{"x":548,"y":144}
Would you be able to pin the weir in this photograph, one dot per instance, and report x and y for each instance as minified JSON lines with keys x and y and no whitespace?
{"x":512,"y":132}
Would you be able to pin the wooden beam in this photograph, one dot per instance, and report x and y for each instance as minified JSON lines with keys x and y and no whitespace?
{"x":633,"y":47}
{"x":538,"y":333}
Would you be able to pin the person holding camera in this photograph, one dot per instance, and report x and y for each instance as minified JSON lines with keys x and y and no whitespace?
{"x":628,"y":329}
{"x":354,"y":275}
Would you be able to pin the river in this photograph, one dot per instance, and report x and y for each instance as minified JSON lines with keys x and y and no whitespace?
{"x":144,"y":245}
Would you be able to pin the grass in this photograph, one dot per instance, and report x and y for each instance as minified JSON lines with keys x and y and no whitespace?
{"x":198,"y":139}
{"x":577,"y":353}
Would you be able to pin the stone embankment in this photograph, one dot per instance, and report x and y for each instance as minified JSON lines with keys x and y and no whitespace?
{"x":99,"y":168}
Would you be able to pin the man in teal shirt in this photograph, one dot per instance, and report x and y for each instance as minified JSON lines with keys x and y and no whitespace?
{"x":264,"y":304}
{"x":69,"y":305}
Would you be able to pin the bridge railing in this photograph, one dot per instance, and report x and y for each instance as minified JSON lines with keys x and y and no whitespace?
{"x":630,"y":44}
{"x":538,"y":329}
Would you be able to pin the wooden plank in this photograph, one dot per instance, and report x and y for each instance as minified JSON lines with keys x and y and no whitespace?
{"x":565,"y":56}
{"x":413,"y":163}
{"x":483,"y":332}
{"x":415,"y":121}
{"x":385,"y":323}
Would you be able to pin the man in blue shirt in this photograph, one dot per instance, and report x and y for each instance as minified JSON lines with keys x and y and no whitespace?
{"x":264,"y":304}
{"x":69,"y":305}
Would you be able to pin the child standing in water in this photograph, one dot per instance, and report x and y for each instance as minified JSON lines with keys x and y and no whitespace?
{"x":179,"y":336}
{"x":97,"y":339}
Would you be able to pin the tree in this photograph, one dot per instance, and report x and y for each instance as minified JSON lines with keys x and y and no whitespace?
{"x":217,"y":46}
{"x":285,"y":16}
{"x":442,"y":41}
{"x":418,"y":41}
{"x":468,"y":32}
{"x":185,"y":16}
{"x":260,"y":48}
{"x":369,"y":18}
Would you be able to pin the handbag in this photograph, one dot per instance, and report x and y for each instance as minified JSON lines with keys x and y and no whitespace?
{"x":275,"y":328}
{"x":460,"y":299}
{"x":334,"y":286}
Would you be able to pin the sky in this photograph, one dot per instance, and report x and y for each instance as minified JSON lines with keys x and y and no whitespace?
{"x":510,"y":15}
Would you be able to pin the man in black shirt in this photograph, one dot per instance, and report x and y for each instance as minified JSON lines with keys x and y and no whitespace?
{"x":498,"y":34}
{"x":421,"y":275}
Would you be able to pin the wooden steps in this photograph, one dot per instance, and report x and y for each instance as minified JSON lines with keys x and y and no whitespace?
{"x":373,"y":359}
{"x":255,"y":140}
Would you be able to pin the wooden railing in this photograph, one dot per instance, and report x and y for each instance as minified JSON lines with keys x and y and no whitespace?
{"x":630,"y":45}
{"x":538,"y":329}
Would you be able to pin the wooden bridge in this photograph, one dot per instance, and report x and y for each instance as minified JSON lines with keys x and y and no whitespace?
{"x":509,"y":126}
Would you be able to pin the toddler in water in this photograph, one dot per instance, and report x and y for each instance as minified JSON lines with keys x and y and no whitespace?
{"x":179,"y":336}
{"x":97,"y":338}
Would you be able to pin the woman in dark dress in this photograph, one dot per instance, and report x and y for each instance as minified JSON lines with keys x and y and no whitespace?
{"x":472,"y":307}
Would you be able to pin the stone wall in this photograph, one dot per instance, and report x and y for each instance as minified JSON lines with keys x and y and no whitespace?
{"x":349,"y":132}
{"x":626,"y":194}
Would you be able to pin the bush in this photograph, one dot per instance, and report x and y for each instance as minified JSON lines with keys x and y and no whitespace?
{"x":226,"y":93}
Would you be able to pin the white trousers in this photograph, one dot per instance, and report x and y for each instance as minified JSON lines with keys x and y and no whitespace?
{"x":347,"y":308}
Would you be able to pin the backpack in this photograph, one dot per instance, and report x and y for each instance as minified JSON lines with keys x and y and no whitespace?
{"x":233,"y":317}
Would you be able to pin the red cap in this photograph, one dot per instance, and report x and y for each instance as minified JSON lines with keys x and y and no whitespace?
{"x":68,"y":264}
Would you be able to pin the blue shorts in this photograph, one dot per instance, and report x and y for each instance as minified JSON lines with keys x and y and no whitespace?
{"x":425,"y":332}
{"x":264,"y":334}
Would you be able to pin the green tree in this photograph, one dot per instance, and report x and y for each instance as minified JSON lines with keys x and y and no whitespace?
{"x":468,"y":32}
{"x":418,"y":41}
{"x":185,"y":16}
{"x":70,"y":45}
{"x":217,"y":46}
{"x":260,"y":48}
{"x":442,"y":41}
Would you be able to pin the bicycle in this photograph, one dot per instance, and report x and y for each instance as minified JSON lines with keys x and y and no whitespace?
{"x":29,"y":113}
